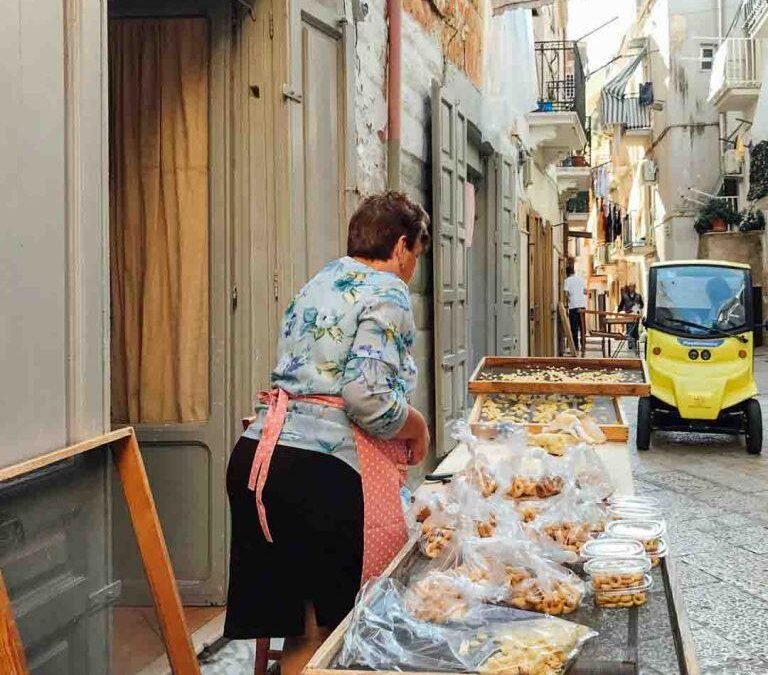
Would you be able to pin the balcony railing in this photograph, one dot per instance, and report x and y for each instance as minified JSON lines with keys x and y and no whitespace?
{"x":754,"y":11}
{"x":560,"y":76}
{"x":738,"y":64}
{"x":635,"y":234}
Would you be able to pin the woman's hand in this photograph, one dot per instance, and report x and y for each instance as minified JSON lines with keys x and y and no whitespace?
{"x":415,"y":433}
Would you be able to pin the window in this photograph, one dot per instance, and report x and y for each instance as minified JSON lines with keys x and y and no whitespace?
{"x":707,"y":56}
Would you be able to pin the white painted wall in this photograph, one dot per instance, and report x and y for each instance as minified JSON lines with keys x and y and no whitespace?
{"x":53,"y":275}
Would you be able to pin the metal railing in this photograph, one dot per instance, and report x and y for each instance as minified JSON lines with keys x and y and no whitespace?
{"x":560,"y":76}
{"x":738,"y":63}
{"x":753,"y":12}
{"x":633,"y":233}
{"x":578,"y":204}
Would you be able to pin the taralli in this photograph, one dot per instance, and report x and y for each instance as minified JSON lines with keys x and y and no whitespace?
{"x":619,"y":582}
{"x":434,"y":539}
{"x":571,"y":536}
{"x":480,"y":478}
{"x":522,"y":488}
{"x":423,"y":514}
{"x":527,"y":512}
{"x":486,"y":528}
{"x":527,"y":592}
{"x":436,"y":598}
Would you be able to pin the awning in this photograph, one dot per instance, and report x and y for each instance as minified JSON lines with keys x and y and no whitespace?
{"x":615,"y":107}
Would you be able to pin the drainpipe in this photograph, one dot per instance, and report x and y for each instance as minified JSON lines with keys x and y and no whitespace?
{"x":394,"y":92}
{"x":721,"y":117}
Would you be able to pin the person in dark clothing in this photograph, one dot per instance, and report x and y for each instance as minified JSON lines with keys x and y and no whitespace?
{"x":631,"y":303}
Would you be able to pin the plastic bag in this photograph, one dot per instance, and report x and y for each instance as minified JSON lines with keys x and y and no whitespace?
{"x":529,"y":580}
{"x":570,"y":522}
{"x":384,"y":635}
{"x":438,"y":534}
{"x":532,"y":474}
{"x":590,"y":474}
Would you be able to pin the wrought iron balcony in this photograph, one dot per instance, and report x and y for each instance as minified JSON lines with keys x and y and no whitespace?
{"x":560,"y":75}
{"x":737,"y":73}
{"x":754,"y":12}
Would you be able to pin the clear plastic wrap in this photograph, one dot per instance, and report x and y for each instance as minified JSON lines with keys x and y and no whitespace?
{"x":438,"y":537}
{"x":619,"y":582}
{"x":570,"y":522}
{"x":532,"y":473}
{"x":589,"y":473}
{"x":529,"y":581}
{"x":384,"y":635}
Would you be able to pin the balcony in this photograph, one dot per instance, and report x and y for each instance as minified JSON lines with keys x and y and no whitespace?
{"x":559,"y":121}
{"x":573,"y":175}
{"x":736,"y":73}
{"x":754,"y":13}
{"x":637,"y":237}
{"x":577,"y":210}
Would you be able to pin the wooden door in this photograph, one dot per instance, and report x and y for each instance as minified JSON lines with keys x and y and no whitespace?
{"x":507,"y":276}
{"x":449,"y":171}
{"x":318,"y":98}
{"x":184,"y":427}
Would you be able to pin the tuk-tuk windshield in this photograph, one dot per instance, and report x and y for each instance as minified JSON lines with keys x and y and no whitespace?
{"x":709,"y":296}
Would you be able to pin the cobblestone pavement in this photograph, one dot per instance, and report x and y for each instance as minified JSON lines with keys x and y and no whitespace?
{"x":716,"y":502}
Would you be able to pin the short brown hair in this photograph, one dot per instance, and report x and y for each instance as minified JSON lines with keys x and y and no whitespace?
{"x":381,"y":220}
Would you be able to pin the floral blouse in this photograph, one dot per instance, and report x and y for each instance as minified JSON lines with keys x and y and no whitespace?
{"x":349,"y":333}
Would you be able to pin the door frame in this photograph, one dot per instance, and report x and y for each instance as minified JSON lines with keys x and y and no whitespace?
{"x":219,"y":14}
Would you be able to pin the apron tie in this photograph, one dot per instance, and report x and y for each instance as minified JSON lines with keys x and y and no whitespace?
{"x":383,"y":466}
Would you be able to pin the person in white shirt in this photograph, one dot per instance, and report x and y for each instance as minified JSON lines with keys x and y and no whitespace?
{"x":576,"y":292}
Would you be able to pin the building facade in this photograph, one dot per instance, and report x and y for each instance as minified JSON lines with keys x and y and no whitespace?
{"x":172,"y":173}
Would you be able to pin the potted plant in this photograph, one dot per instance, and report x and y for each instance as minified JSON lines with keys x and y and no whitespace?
{"x":715,"y":216}
{"x":751,"y":220}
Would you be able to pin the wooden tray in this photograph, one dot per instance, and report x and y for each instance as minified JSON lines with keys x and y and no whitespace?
{"x":638,"y":386}
{"x":618,"y":431}
{"x":622,"y":643}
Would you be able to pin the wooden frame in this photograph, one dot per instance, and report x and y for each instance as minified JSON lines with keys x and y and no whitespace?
{"x":643,"y":388}
{"x":563,"y":312}
{"x":150,"y":540}
{"x":618,"y":432}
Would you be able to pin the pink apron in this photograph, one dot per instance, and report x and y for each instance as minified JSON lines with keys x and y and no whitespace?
{"x":382,"y":472}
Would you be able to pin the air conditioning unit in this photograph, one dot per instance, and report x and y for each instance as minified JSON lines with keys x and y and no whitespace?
{"x":732,"y":163}
{"x":648,"y":171}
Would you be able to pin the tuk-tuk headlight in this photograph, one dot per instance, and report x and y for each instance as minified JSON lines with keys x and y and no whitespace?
{"x":706,"y":355}
{"x":693,"y":355}
{"x":742,"y":354}
{"x":656,"y":351}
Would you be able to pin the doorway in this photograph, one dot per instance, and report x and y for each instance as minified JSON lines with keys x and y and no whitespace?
{"x":481,"y":271}
{"x":541,"y":334}
{"x":169,"y":288}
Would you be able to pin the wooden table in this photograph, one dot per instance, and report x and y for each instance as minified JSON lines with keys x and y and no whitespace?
{"x":626,"y":321}
{"x":615,"y":650}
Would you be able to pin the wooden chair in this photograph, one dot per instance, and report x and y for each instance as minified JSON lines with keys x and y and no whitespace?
{"x":264,"y":651}
{"x":604,"y":331}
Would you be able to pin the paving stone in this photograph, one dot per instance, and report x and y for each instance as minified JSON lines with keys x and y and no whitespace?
{"x":728,"y":611}
{"x":658,"y":654}
{"x":715,"y":652}
{"x":687,"y":541}
{"x":740,"y":568}
{"x":689,"y":576}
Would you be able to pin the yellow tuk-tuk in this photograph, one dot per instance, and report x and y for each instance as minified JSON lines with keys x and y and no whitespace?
{"x":699,"y":352}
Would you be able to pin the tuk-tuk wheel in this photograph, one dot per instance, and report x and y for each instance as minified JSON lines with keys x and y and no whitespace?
{"x":754,"y":426}
{"x":643,"y":435}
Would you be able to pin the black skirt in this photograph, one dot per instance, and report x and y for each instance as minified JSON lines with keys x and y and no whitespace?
{"x":314,"y":506}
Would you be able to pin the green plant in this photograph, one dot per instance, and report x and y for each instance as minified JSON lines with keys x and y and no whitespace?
{"x":752,"y":220}
{"x":711,"y":211}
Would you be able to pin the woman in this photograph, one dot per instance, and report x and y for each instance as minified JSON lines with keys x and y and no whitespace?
{"x":631,"y":302}
{"x":335,"y":433}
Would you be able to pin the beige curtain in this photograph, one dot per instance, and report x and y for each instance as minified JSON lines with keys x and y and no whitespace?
{"x":159,"y":219}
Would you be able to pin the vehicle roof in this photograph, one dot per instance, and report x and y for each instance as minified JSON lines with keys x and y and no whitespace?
{"x":713,"y":263}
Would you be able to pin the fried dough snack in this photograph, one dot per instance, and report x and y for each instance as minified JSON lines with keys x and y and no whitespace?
{"x":436,"y":598}
{"x":527,"y":592}
{"x":571,"y":536}
{"x":619,"y":590}
{"x":482,"y":480}
{"x":435,"y":539}
{"x":522,"y":487}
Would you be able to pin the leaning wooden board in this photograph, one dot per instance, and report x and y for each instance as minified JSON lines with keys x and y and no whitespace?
{"x":635,"y":376}
{"x":611,"y":653}
{"x":617,"y":430}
